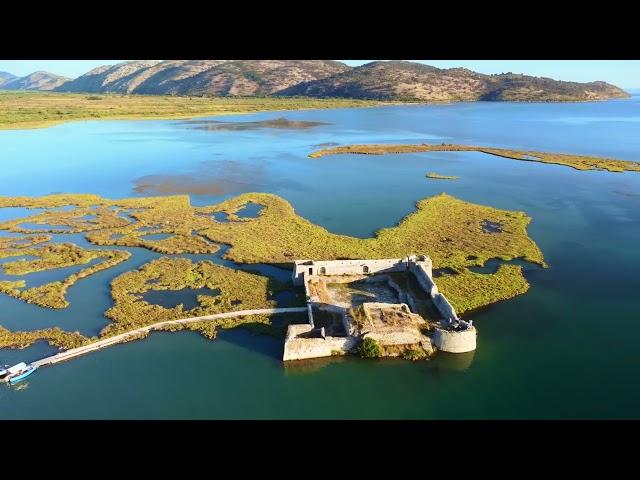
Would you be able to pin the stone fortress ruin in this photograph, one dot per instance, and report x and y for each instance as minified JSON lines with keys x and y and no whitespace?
{"x":393,"y":301}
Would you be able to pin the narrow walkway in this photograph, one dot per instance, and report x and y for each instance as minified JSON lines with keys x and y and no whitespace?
{"x":74,"y":352}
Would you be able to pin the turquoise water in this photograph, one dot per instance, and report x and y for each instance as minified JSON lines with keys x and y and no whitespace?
{"x":566,"y":349}
{"x":156,"y":236}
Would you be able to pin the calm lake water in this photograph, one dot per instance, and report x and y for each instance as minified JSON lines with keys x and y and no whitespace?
{"x":566,"y":349}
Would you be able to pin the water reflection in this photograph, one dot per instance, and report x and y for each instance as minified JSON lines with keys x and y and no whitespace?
{"x":279,"y":123}
{"x":458,"y":362}
{"x":156,"y":236}
{"x":311,"y":365}
{"x":213,"y":178}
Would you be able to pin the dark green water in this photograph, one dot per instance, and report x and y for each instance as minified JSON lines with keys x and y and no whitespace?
{"x":566,"y":349}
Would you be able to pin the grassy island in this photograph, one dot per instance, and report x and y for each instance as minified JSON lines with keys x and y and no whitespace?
{"x":238,"y":290}
{"x":43,"y":109}
{"x":468,"y":290}
{"x":437,"y":176}
{"x":449,"y":230}
{"x":52,"y":294}
{"x":454,"y":233}
{"x":22,"y":242}
{"x":579,"y":162}
{"x":48,"y":257}
{"x":54,"y":336}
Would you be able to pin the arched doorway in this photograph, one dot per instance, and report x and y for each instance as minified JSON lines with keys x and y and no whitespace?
{"x":365,"y":269}
{"x":323,"y":271}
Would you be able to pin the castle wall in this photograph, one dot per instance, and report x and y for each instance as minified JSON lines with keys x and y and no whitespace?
{"x":345,"y":267}
{"x":444,"y":307}
{"x":296,"y":348}
{"x":421,"y":267}
{"x":423,"y":273}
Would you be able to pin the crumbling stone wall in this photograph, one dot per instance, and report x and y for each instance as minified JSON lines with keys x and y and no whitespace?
{"x":297,"y":347}
{"x":351,"y":267}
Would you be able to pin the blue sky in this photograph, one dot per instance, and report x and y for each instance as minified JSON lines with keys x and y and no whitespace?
{"x":624,"y":73}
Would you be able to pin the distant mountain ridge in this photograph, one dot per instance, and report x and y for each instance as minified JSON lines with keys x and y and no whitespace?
{"x":401,"y":80}
{"x":379,"y":80}
{"x":203,"y":77}
{"x":6,"y":77}
{"x":40,"y":80}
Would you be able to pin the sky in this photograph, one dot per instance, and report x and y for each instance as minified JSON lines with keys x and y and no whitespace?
{"x":623,"y":73}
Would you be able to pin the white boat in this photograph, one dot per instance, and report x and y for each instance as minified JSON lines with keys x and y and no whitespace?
{"x":17,"y":372}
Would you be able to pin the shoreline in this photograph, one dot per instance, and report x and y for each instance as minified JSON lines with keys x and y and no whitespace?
{"x":54,"y":123}
{"x":339,"y":102}
{"x":114,"y":107}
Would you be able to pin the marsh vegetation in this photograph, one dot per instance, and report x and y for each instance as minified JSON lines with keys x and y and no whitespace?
{"x":579,"y":162}
{"x":451,"y":231}
{"x":236,"y":290}
{"x":49,"y":257}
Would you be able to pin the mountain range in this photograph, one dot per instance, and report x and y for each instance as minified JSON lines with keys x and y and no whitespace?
{"x":379,"y":80}
{"x":204,"y":77}
{"x":401,"y":80}
{"x":36,"y":81}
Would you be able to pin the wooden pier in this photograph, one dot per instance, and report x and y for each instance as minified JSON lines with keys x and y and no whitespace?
{"x":100,"y":344}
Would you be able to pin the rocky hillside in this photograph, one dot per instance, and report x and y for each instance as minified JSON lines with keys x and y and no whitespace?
{"x":35,"y":81}
{"x":204,"y":77}
{"x":6,"y":77}
{"x":108,"y":78}
{"x":400,"y":80}
{"x":512,"y":87}
{"x":391,"y":80}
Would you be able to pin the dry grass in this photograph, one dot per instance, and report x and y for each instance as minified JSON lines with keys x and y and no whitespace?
{"x":43,"y":109}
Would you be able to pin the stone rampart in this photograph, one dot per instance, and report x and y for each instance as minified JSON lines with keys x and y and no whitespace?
{"x":444,"y":307}
{"x":301,"y":348}
{"x":344,"y":267}
{"x":423,"y":273}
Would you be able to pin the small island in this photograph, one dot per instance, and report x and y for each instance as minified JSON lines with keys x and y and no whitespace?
{"x":579,"y":162}
{"x":437,"y":176}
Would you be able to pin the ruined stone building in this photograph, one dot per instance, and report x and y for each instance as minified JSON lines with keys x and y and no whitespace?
{"x":394,"y":301}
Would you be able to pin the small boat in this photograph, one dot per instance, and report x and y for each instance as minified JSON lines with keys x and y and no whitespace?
{"x":17,"y":372}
